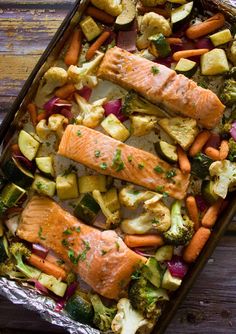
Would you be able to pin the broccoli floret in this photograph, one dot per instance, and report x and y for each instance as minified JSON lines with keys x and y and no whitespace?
{"x":231,"y":73}
{"x":20,"y":251}
{"x":181,"y":230}
{"x":147,"y":299}
{"x":103,"y":315}
{"x":135,"y":103}
{"x":8,"y":269}
{"x":228,"y":94}
{"x":232,"y":150}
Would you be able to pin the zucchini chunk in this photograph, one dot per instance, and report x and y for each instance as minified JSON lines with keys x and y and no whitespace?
{"x":45,"y":165}
{"x":44,"y":186}
{"x":115,"y":128}
{"x":17,"y":174}
{"x":181,"y":15}
{"x":159,"y":46}
{"x":79,"y":309}
{"x":214,"y":62}
{"x":111,"y":200}
{"x":152,"y":272}
{"x":164,"y":253}
{"x":87,"y":209}
{"x":186,"y":67}
{"x":3,"y":249}
{"x":90,"y":28}
{"x":221,"y":37}
{"x":200,"y":165}
{"x":166,"y":151}
{"x":89,"y":183}
{"x":67,"y":187}
{"x":53,"y":284}
{"x":11,"y":194}
{"x":207,"y":192}
{"x":28,"y":145}
{"x":125,"y":19}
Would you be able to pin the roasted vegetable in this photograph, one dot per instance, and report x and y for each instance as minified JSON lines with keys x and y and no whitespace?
{"x":228,"y":94}
{"x":142,"y":125}
{"x":90,"y":28}
{"x":112,"y":7}
{"x":214,"y":62}
{"x":125,"y":19}
{"x":113,"y":126}
{"x":159,"y":46}
{"x":181,"y":14}
{"x":103,"y":315}
{"x":66,"y":186}
{"x":232,"y":52}
{"x":28,"y":145}
{"x":86,"y":209}
{"x":200,"y":165}
{"x":131,"y":197}
{"x":232,"y":150}
{"x":79,"y":309}
{"x":170,"y":282}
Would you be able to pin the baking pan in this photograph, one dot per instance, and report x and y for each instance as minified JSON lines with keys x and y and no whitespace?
{"x":10,"y":124}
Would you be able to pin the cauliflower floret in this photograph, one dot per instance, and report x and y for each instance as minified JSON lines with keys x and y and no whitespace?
{"x":112,"y":7}
{"x":142,"y":125}
{"x":131,"y":197}
{"x":152,"y":24}
{"x":232,"y":52}
{"x":84,"y":76}
{"x":53,"y":78}
{"x":224,"y":176}
{"x":42,"y":129}
{"x":90,"y":114}
{"x":153,"y":3}
{"x":56,"y":123}
{"x":128,"y":320}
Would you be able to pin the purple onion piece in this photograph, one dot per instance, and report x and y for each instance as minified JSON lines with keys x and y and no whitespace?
{"x":204,"y":43}
{"x":24,"y":162}
{"x":201,"y":204}
{"x":40,"y":250}
{"x":143,"y":253}
{"x":85,"y":92}
{"x":39,"y":286}
{"x":177,"y":267}
{"x":67,"y":113}
{"x":48,"y":106}
{"x":233,"y":131}
{"x":56,"y":105}
{"x":69,"y":293}
{"x":114,"y":107}
{"x":127,"y":40}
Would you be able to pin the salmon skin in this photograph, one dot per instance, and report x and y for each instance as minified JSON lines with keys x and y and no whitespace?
{"x":101,"y":259}
{"x":122,"y":161}
{"x":161,"y":85}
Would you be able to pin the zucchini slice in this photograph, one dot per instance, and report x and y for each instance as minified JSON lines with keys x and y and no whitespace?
{"x":11,"y":194}
{"x":207,"y":192}
{"x":166,"y":151}
{"x":221,"y":37}
{"x":67,"y":187}
{"x":28,"y":145}
{"x":214,"y":62}
{"x":181,"y":14}
{"x":87,"y":209}
{"x":79,"y":309}
{"x":200,"y":165}
{"x":3,"y":249}
{"x":125,"y":19}
{"x":89,"y":183}
{"x":164,"y":253}
{"x":44,"y":186}
{"x":53,"y":284}
{"x":159,"y":46}
{"x":152,"y":272}
{"x":186,"y":67}
{"x":17,"y":174}
{"x":45,"y":165}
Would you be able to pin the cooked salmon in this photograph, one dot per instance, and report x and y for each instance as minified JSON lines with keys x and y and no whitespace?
{"x":101,"y":259}
{"x":122,"y":161}
{"x":161,"y":85}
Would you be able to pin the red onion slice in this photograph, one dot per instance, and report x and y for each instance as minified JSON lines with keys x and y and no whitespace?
{"x":39,"y":250}
{"x":69,"y":293}
{"x":114,"y":107}
{"x":56,"y":105}
{"x":233,"y":131}
{"x":177,"y":267}
{"x":85,"y":92}
{"x":201,"y":204}
{"x":24,"y":162}
{"x":39,"y":286}
{"x":127,"y":40}
{"x":204,"y":43}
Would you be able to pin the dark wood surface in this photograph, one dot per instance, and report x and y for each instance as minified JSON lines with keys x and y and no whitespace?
{"x":26,"y":27}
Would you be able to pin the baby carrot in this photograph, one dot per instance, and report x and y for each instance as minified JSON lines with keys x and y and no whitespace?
{"x":174,"y":40}
{"x":72,"y":54}
{"x":32,"y":110}
{"x":193,"y":211}
{"x":96,"y":45}
{"x":224,"y":149}
{"x":47,"y":267}
{"x":212,"y":153}
{"x":42,"y":115}
{"x":196,"y":244}
{"x":199,"y":142}
{"x":146,"y":240}
{"x":201,"y":29}
{"x":212,"y":213}
{"x":100,"y":15}
{"x":65,"y":91}
{"x":184,"y":163}
{"x":188,"y":53}
{"x":15,"y":149}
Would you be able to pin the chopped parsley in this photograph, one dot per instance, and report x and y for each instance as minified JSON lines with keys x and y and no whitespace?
{"x":160,"y":188}
{"x":117,"y":161}
{"x":72,"y":257}
{"x":165,"y":194}
{"x":81,"y":256}
{"x":130,"y":158}
{"x":141,"y":165}
{"x":65,"y":243}
{"x":158,"y":169}
{"x":103,"y":252}
{"x":79,"y":134}
{"x":40,"y":185}
{"x":155,"y":70}
{"x":68,"y":231}
{"x":78,"y":229}
{"x":40,"y":233}
{"x":103,"y":165}
{"x":171,"y":173}
{"x":117,"y":246}
{"x":136,"y":274}
{"x":97,"y":154}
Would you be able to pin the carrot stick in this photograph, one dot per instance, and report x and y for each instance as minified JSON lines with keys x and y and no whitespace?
{"x":42,"y":115}
{"x":32,"y":110}
{"x":96,"y":45}
{"x":201,"y":29}
{"x":73,"y":52}
{"x":193,"y":211}
{"x":212,"y":153}
{"x":146,"y":240}
{"x":196,"y":244}
{"x":47,"y":267}
{"x":212,"y":213}
{"x":65,"y":91}
{"x":174,"y":40}
{"x":224,"y":149}
{"x":100,"y":15}
{"x":184,"y":163}
{"x":199,"y":142}
{"x":15,"y":149}
{"x":188,"y":53}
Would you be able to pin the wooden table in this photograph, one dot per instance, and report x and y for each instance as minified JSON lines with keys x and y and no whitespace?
{"x":26,"y":27}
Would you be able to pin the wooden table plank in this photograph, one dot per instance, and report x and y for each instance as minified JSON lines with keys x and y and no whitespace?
{"x":26,"y":28}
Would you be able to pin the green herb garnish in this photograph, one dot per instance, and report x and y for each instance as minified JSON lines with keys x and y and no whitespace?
{"x":79,"y":134}
{"x":117,"y":246}
{"x":78,"y":229}
{"x":103,"y":252}
{"x":158,"y":169}
{"x":117,"y":161}
{"x":130,"y":158}
{"x":68,"y":231}
{"x":97,"y":154}
{"x":141,"y":165}
{"x":103,"y":165}
{"x":171,"y":173}
{"x":160,"y":189}
{"x":40,"y":233}
{"x":155,"y":70}
{"x":65,"y":243}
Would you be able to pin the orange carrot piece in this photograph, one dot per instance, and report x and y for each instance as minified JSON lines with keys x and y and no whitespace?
{"x":100,"y":15}
{"x":224,"y":149}
{"x":15,"y":149}
{"x":196,"y":244}
{"x":146,"y":240}
{"x":188,"y":53}
{"x":65,"y":91}
{"x":210,"y":217}
{"x":193,"y":211}
{"x":201,"y":29}
{"x":199,"y":142}
{"x":174,"y":40}
{"x":32,"y":110}
{"x":184,"y":163}
{"x":42,"y":115}
{"x":47,"y":267}
{"x":96,"y":45}
{"x":212,"y":153}
{"x":73,"y":52}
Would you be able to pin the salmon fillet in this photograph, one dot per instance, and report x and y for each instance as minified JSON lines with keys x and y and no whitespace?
{"x":121,"y":161}
{"x":101,"y":259}
{"x":175,"y":92}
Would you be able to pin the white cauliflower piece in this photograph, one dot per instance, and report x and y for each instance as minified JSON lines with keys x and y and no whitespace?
{"x":138,"y":225}
{"x":152,"y":24}
{"x":131,"y":198}
{"x":57,"y":123}
{"x":42,"y":129}
{"x":153,"y":3}
{"x":85,"y":75}
{"x":53,"y":78}
{"x":112,"y":7}
{"x":127,"y":320}
{"x":90,"y":114}
{"x":224,"y":176}
{"x":142,"y":125}
{"x":232,"y":52}
{"x":161,"y":212}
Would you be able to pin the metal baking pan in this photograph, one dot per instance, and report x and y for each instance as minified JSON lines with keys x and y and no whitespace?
{"x":10,"y":124}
